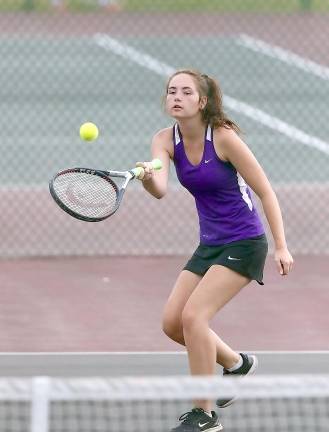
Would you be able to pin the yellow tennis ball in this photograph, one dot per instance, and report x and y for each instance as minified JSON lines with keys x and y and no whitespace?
{"x":89,"y":131}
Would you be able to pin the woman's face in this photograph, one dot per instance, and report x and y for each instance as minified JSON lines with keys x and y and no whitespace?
{"x":183,"y":99}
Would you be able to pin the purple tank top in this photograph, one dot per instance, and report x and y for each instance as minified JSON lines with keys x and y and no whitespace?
{"x":223,"y":200}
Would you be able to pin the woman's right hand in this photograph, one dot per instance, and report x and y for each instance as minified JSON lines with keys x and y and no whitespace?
{"x":147,"y":174}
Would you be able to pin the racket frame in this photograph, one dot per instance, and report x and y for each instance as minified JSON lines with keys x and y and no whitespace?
{"x":106,"y":175}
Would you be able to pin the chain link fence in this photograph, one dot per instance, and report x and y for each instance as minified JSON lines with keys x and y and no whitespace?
{"x":67,"y":62}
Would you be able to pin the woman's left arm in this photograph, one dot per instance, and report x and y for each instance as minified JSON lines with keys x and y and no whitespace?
{"x":231,"y":148}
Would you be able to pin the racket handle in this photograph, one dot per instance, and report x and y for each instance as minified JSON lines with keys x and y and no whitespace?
{"x":156,"y":164}
{"x":137,"y":171}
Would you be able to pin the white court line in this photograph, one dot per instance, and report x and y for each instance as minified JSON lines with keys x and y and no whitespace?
{"x":284,"y":55}
{"x":126,"y":51}
{"x":110,"y":44}
{"x":277,"y":125}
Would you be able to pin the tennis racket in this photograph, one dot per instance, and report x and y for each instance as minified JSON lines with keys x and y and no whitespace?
{"x":92,"y":195}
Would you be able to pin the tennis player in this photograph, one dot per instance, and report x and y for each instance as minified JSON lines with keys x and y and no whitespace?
{"x":215,"y":165}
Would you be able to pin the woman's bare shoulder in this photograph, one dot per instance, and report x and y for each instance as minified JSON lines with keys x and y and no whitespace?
{"x":164,"y":139}
{"x":163,"y":134}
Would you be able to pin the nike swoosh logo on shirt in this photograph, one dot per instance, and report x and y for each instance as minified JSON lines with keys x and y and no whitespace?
{"x":233,"y":259}
{"x":207,"y":161}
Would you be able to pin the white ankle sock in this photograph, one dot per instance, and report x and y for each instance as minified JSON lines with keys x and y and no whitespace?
{"x":237,"y":365}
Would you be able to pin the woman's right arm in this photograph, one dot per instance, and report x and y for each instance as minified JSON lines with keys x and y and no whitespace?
{"x":156,"y":182}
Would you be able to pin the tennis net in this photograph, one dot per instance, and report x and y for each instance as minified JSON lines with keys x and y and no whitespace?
{"x":282,"y":403}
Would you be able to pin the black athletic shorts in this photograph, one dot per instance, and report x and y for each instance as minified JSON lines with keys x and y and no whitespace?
{"x":246,"y":257}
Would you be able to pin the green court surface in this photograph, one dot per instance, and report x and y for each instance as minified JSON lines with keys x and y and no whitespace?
{"x":60,"y":83}
{"x":181,"y":5}
{"x":228,"y":5}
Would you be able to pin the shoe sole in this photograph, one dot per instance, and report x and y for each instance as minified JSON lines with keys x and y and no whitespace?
{"x":250,"y":372}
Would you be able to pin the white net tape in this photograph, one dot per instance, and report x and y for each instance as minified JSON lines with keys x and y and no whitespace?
{"x":265,"y":403}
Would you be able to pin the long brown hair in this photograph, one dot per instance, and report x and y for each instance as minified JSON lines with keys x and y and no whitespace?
{"x":213,"y":113}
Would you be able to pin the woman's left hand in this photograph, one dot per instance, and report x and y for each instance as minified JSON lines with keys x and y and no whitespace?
{"x":284,"y":261}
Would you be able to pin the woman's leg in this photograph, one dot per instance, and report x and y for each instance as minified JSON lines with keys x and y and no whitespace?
{"x":217,"y":287}
{"x":172,"y":319}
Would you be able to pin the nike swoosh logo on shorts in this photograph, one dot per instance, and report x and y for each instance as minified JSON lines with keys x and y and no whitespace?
{"x":233,"y":259}
{"x":207,"y":161}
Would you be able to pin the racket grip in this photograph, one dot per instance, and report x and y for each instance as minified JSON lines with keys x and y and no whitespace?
{"x":156,"y":164}
{"x":138,"y":171}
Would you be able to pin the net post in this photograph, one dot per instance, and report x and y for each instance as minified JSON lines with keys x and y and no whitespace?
{"x":40,"y":404}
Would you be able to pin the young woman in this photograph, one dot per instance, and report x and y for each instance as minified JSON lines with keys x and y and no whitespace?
{"x":215,"y":165}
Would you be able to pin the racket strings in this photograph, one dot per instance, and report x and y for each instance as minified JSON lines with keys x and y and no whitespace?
{"x":86,"y":194}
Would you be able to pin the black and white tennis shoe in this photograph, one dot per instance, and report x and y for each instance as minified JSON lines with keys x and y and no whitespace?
{"x":198,"y":420}
{"x":248,"y":367}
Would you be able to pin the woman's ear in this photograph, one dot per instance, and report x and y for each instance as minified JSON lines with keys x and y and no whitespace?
{"x":203,"y":102}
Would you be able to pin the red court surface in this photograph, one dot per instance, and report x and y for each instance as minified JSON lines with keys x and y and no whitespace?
{"x":115,"y":304}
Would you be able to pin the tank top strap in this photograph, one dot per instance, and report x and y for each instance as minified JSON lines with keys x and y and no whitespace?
{"x":178,"y":147}
{"x":209,"y":151}
{"x":177,"y":136}
{"x":209,"y":134}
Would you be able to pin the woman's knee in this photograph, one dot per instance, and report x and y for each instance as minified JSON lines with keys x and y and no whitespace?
{"x":192,"y":318}
{"x":172,"y":327}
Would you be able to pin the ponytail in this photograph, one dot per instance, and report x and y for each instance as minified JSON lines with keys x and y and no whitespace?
{"x":213,"y":112}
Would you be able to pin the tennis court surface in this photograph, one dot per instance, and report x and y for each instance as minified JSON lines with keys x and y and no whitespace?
{"x":81,"y":304}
